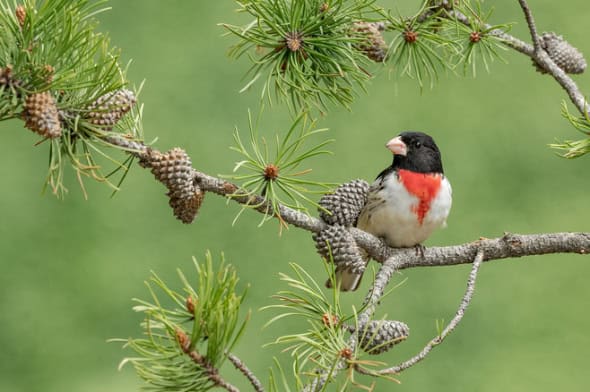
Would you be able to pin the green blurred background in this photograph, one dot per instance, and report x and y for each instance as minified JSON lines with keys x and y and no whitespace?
{"x":70,"y":268}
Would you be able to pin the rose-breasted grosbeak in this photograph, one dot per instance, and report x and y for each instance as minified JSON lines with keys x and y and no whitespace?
{"x":407,"y":201}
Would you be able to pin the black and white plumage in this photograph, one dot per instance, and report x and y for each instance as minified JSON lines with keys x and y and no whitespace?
{"x":408,"y":200}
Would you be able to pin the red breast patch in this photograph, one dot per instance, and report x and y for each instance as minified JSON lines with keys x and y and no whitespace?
{"x":422,"y":185}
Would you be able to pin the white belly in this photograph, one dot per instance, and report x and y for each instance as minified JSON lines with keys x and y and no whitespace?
{"x":390,"y":213}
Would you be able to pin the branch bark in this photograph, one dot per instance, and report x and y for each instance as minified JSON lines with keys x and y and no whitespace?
{"x":532,"y":27}
{"x":507,"y":246}
{"x":241,"y":366}
{"x":450,"y":327}
{"x":211,"y":371}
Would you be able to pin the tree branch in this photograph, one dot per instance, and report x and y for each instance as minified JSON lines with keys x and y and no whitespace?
{"x":450,"y":327}
{"x":382,"y":279}
{"x":531,"y":23}
{"x":241,"y":366}
{"x":211,"y":371}
{"x":507,"y":246}
{"x":540,"y":56}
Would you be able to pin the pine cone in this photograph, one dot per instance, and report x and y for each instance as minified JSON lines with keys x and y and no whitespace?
{"x":6,"y":78}
{"x":21,"y":15}
{"x":108,"y":109}
{"x":186,"y":207}
{"x":174,"y":169}
{"x":41,"y":115}
{"x":345,"y":203}
{"x":565,"y":56}
{"x":338,"y":242}
{"x":374,"y":46}
{"x":379,"y":336}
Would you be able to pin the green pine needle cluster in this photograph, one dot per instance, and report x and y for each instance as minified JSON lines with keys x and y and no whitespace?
{"x":575,"y":148}
{"x":52,"y":47}
{"x":418,"y":49}
{"x":433,"y":40}
{"x":477,"y":44}
{"x":188,"y":334}
{"x":306,"y":52}
{"x":272,"y":168}
{"x":309,"y":53}
{"x":325,"y":344}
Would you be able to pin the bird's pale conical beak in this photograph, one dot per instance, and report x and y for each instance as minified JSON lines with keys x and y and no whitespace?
{"x":397,"y":146}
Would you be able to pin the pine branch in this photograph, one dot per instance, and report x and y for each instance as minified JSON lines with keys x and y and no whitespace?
{"x":450,"y":327}
{"x":507,"y":246}
{"x":536,"y":53}
{"x":188,"y":334}
{"x":211,"y":372}
{"x":532,"y":27}
{"x":384,"y":274}
{"x":92,"y":120}
{"x":394,"y":259}
{"x":241,"y":366}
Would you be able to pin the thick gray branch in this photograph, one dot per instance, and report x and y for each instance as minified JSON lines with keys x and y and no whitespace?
{"x":510,"y":245}
{"x":507,"y":246}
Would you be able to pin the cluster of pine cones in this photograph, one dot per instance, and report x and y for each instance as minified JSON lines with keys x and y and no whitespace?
{"x":340,"y":211}
{"x":42,"y":116}
{"x":172,"y":168}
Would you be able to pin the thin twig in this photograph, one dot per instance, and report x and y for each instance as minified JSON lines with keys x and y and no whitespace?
{"x":531,"y":23}
{"x":211,"y":371}
{"x":241,"y":366}
{"x":450,"y":327}
{"x":382,"y":279}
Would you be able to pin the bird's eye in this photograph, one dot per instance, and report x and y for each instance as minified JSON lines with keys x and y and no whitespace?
{"x":417,"y":144}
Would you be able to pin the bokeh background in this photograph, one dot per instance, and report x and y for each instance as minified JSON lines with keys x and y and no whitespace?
{"x":69,"y":268}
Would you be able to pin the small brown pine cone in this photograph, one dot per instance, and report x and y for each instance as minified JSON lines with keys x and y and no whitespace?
{"x":186,"y":208}
{"x":108,"y":109}
{"x":374,"y":46}
{"x":340,"y":244}
{"x":21,"y":15}
{"x":380,"y":336}
{"x":345,"y":203}
{"x":174,"y":169}
{"x":171,"y":168}
{"x":41,"y":115}
{"x":565,"y":56}
{"x":7,"y":79}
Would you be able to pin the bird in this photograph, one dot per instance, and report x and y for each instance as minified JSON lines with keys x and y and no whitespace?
{"x":407,"y":201}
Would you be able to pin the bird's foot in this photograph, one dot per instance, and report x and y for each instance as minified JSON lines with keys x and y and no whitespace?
{"x":419,"y":250}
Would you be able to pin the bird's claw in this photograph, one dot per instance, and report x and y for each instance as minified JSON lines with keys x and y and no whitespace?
{"x":419,"y":250}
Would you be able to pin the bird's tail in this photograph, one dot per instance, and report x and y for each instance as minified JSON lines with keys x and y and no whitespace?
{"x":348,"y":275}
